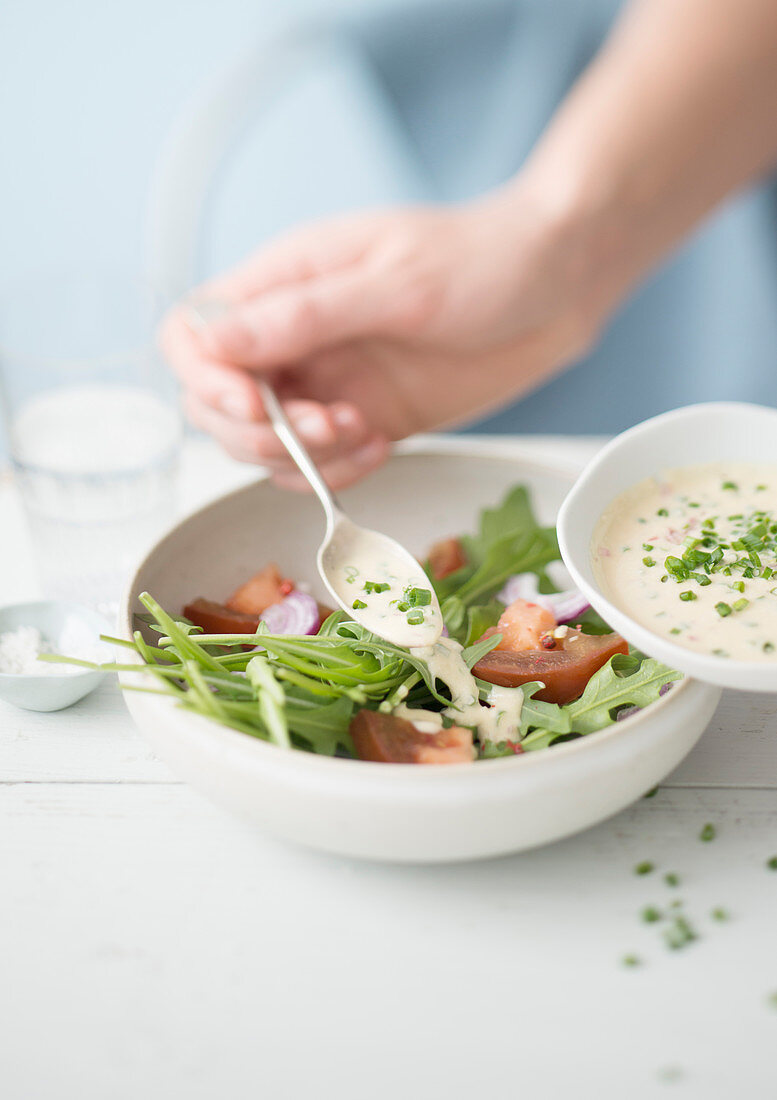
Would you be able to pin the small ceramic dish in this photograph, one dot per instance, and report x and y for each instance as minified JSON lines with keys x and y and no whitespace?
{"x":393,"y":811}
{"x":715,"y":432}
{"x":58,"y":622}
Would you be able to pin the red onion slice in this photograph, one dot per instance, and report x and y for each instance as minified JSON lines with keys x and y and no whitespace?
{"x":564,"y":605}
{"x":296,"y":614}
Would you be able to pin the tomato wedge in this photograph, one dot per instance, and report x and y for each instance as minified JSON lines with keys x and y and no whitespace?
{"x":216,"y":618}
{"x":264,"y":588}
{"x":390,"y":740}
{"x":564,"y":670}
{"x":446,"y":556}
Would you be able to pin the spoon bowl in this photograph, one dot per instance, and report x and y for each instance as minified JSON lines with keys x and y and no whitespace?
{"x":352,"y":557}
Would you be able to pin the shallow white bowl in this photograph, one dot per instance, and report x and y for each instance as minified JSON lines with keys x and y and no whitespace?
{"x":385,"y":811}
{"x":713,"y":432}
{"x":55,"y":689}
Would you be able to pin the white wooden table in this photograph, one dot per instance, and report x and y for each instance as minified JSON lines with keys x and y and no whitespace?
{"x":154,"y":948}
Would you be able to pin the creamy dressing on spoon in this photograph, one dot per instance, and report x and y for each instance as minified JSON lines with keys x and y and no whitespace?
{"x":692,"y":555}
{"x":386,"y":589}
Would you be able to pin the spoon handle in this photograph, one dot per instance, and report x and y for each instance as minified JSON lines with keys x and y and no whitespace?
{"x":298,"y":451}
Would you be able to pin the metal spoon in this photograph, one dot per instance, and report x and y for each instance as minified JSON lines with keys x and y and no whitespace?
{"x":371,"y":576}
{"x":352,"y":557}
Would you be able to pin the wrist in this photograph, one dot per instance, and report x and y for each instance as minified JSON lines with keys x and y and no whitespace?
{"x":578,"y":235}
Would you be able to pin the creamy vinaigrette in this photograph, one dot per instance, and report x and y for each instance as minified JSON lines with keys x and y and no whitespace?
{"x":692,"y":554}
{"x":498,"y":721}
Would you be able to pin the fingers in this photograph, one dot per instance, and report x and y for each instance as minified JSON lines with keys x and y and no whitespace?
{"x":218,"y":384}
{"x":342,"y":471}
{"x":294,"y":322}
{"x":326,"y":430}
{"x":303,"y":253}
{"x":337,"y":437}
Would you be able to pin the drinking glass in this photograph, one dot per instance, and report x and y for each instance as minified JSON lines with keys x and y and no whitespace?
{"x":92,"y":428}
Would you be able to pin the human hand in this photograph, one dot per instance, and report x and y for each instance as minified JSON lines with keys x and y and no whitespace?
{"x":376,"y":326}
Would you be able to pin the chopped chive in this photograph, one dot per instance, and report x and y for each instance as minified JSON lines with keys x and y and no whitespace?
{"x":631,"y":960}
{"x":671,"y":879}
{"x":644,"y":868}
{"x":418,"y":597}
{"x":675,"y":630}
{"x":648,"y":562}
{"x":679,"y":934}
{"x":722,"y":609}
{"x":719,"y":914}
{"x":403,"y":605}
{"x":729,"y":485}
{"x":701,"y":579}
{"x":768,"y":647}
{"x":358,"y":605}
{"x":662,"y":512}
{"x":647,"y":546}
{"x":376,"y":586}
{"x":739,"y":586}
{"x":415,"y":616}
{"x":739,"y":605}
{"x":708,"y":832}
{"x":687,"y":595}
{"x":650,"y":914}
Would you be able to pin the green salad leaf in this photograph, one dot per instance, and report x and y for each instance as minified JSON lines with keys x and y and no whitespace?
{"x":608,"y":691}
{"x":624,"y":682}
{"x":508,"y":541}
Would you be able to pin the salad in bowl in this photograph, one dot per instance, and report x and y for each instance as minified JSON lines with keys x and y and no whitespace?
{"x":524,"y":663}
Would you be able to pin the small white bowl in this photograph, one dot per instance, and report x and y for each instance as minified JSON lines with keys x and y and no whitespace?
{"x":714,"y":432}
{"x":52,"y":690}
{"x":392,"y":811}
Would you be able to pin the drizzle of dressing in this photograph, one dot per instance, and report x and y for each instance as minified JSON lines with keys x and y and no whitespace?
{"x":498,"y":721}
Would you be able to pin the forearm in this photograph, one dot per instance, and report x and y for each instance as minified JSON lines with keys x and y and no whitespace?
{"x":678,"y":111}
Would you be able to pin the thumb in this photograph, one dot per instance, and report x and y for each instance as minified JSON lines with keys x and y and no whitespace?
{"x":293,"y":322}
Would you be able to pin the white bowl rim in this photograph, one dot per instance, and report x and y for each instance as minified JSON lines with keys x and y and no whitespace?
{"x":693,"y":663}
{"x":46,"y":678}
{"x":315,"y":761}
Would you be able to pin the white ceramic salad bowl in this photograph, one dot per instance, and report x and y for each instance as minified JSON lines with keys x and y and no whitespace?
{"x":710,"y":432}
{"x":393,"y":811}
